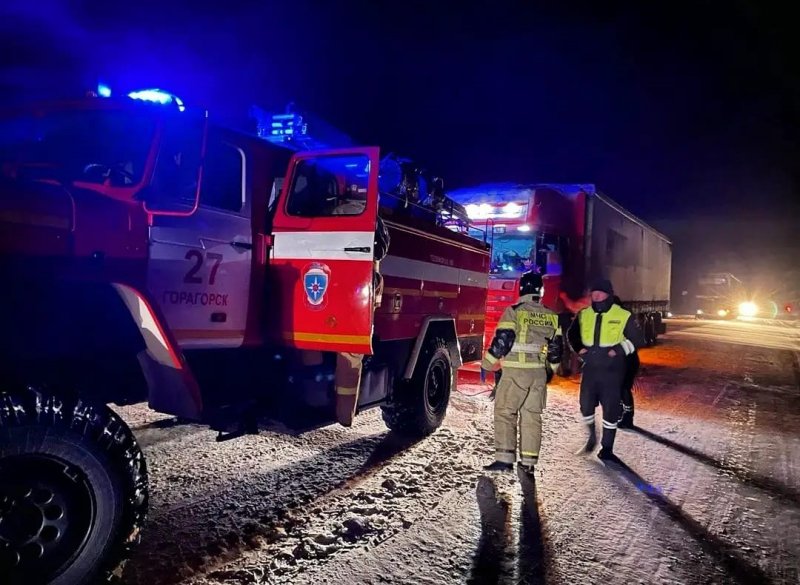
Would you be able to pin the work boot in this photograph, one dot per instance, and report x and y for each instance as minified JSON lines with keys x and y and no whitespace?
{"x":626,"y":420}
{"x":607,"y":442}
{"x":346,"y":409}
{"x":499,"y":466}
{"x":591,"y":441}
{"x":607,"y":455}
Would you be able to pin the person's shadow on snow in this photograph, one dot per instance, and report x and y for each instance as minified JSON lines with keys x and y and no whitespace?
{"x":531,"y":553}
{"x":739,"y":569}
{"x":762,"y":482}
{"x":487,"y":567}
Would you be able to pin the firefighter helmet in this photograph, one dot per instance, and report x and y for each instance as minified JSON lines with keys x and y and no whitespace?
{"x":531,"y":284}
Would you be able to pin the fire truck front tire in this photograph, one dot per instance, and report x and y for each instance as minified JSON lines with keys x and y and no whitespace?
{"x":418,"y":406}
{"x":73,"y":489}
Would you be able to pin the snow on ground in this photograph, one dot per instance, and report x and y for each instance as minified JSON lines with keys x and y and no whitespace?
{"x":710,"y":490}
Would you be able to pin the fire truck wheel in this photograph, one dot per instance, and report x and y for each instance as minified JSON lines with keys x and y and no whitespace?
{"x":418,"y":406}
{"x":73,"y":489}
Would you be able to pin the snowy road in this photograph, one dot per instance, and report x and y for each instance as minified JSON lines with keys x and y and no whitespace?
{"x":711,"y":492}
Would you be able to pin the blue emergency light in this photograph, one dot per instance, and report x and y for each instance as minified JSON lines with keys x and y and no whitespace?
{"x":287,"y":125}
{"x":157,"y":96}
{"x":290,"y":129}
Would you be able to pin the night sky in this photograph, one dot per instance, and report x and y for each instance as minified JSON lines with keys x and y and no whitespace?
{"x":688,"y":113}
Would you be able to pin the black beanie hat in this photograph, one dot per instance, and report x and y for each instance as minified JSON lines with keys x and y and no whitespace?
{"x":602,"y":284}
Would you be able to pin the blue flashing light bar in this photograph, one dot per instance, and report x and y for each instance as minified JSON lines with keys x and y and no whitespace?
{"x":291,"y":130}
{"x":497,"y":193}
{"x":103,"y":90}
{"x":157,"y":96}
{"x":287,"y":125}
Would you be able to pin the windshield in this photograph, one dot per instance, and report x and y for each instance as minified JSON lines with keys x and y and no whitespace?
{"x":512,"y":254}
{"x":94,"y":146}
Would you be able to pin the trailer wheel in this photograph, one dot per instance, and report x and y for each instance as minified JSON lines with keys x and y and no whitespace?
{"x":73,"y":489}
{"x":649,"y":330}
{"x":418,"y":406}
{"x":661,"y":327}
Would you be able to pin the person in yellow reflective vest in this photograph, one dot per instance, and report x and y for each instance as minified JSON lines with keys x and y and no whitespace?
{"x":526,"y":337}
{"x":603,"y":334}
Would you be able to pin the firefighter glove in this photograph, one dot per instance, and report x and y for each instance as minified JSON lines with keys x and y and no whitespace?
{"x":555,"y":348}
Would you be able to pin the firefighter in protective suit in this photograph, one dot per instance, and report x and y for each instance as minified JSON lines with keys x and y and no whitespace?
{"x":526,"y":337}
{"x":603,"y":335}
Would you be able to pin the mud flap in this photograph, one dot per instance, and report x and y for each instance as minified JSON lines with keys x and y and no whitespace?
{"x":171,"y":390}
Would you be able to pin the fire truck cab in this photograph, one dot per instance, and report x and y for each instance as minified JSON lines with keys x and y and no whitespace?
{"x":149,"y":255}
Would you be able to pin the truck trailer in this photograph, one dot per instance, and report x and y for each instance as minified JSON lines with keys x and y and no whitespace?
{"x":571,"y":234}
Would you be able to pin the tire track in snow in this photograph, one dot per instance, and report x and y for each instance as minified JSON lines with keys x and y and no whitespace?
{"x":597,"y":530}
{"x":737,"y":490}
{"x":361,"y":513}
{"x":183,"y":539}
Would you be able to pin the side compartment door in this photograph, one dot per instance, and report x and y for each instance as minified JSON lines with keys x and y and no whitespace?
{"x":322,"y":255}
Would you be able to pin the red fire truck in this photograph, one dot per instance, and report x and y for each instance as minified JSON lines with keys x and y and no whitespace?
{"x":147,"y":254}
{"x":570,"y":234}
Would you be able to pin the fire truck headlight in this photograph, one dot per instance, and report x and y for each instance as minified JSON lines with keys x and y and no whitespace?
{"x":748,"y":309}
{"x":699,"y":311}
{"x":524,"y":228}
{"x":722,"y":312}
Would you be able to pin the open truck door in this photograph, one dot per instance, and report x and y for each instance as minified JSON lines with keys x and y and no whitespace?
{"x":323,"y":250}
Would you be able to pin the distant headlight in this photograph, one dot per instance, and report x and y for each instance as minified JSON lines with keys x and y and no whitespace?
{"x":722,"y":312}
{"x":669,"y":314}
{"x":748,"y":309}
{"x":699,"y":311}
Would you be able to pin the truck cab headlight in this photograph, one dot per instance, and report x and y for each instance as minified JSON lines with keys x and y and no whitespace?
{"x":748,"y":309}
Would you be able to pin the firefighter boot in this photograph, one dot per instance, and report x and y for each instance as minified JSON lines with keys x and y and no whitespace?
{"x":626,"y":420}
{"x":591,"y":441}
{"x":348,"y":379}
{"x":499,"y":466}
{"x":607,"y":445}
{"x":346,"y":409}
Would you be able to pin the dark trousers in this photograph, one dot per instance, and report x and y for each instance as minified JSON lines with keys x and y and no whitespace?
{"x":632,"y":368}
{"x":603,"y":387}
